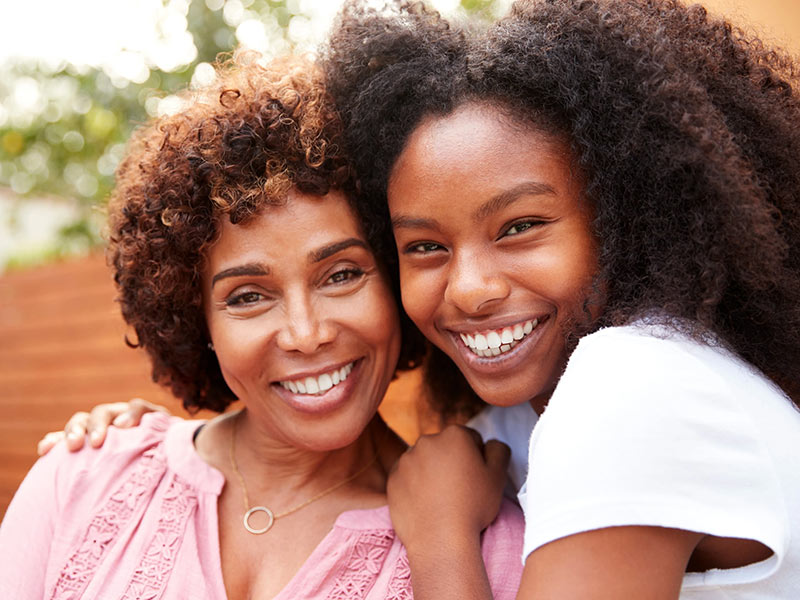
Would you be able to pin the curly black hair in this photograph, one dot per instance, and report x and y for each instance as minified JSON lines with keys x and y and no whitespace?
{"x":687,"y":130}
{"x":238,"y":145}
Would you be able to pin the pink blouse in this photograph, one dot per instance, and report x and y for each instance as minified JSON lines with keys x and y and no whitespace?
{"x":137,"y":520}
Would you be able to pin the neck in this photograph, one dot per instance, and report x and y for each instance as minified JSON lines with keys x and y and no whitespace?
{"x":280,"y":473}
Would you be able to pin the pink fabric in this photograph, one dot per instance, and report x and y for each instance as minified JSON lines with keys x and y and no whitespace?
{"x":137,"y":520}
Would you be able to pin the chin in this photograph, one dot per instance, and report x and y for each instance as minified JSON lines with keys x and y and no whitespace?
{"x":329,"y":437}
{"x":502,"y":393}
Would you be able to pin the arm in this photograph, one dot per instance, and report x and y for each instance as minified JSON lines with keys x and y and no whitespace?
{"x":610,"y":563}
{"x":96,"y":422}
{"x":442,"y":493}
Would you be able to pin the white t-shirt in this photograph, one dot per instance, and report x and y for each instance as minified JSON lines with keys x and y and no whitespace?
{"x":648,"y":430}
{"x":511,"y":425}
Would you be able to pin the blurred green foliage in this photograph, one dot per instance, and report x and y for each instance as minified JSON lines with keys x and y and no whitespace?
{"x":68,"y":132}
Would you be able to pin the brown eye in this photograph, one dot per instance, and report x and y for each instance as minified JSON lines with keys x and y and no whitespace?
{"x":424,"y":248}
{"x":521,"y":226}
{"x":518,"y":228}
{"x":243,"y":299}
{"x":345,"y":275}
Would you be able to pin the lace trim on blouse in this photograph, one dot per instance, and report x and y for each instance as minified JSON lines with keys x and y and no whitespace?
{"x":363,"y":565}
{"x":150,"y":578}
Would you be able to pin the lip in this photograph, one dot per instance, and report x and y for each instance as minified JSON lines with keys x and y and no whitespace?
{"x":326,"y":402}
{"x":501,"y":364}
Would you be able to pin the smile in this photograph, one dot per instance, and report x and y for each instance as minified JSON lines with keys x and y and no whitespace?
{"x":320,"y":384}
{"x":494,"y":342}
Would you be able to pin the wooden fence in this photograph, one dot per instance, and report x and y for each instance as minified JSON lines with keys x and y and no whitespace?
{"x":62,"y":350}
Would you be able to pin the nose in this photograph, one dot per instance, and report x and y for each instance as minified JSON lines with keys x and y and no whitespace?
{"x":475,"y":283}
{"x":305,"y":329}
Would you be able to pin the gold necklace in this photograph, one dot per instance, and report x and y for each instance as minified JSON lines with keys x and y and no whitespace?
{"x":271,"y":516}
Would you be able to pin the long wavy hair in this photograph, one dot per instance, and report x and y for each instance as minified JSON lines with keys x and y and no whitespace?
{"x":687,"y":130}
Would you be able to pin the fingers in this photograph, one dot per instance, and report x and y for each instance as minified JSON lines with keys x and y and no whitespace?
{"x":497,"y":456}
{"x":137,"y":407}
{"x":75,"y":430}
{"x":476,"y":437}
{"x":48,"y":441}
{"x":96,"y":424}
{"x":100,"y":418}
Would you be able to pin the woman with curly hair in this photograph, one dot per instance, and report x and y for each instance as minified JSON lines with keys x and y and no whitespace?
{"x":244,"y":270}
{"x":596,"y":210}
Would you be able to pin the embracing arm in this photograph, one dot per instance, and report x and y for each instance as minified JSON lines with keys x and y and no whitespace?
{"x":647,"y":563}
{"x":442,"y":493}
{"x":97,"y":422}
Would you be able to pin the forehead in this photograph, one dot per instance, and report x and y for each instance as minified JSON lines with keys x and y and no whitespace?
{"x":477,"y":150}
{"x":302,"y":223}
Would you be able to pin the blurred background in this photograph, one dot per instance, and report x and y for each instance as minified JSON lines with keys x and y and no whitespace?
{"x":75,"y":78}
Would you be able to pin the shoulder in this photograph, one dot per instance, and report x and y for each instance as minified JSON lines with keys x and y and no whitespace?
{"x":120,"y":446}
{"x":650,"y":427}
{"x":644,"y":367}
{"x":89,"y":472}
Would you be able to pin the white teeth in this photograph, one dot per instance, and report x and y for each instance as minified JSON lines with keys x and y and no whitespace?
{"x":312,"y":387}
{"x":480,"y":342}
{"x":493,"y":339}
{"x":319,"y":384}
{"x":496,"y":342}
{"x":325,"y":382}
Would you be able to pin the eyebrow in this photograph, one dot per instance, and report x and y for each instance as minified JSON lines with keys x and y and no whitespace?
{"x":250,"y":269}
{"x":331,"y":249}
{"x":404,"y":222}
{"x":494,"y":204}
{"x":503,"y":199}
{"x":258,"y":269}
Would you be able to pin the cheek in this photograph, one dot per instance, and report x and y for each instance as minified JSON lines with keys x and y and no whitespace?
{"x":378,"y":323}
{"x":239,"y":346}
{"x":420,"y":291}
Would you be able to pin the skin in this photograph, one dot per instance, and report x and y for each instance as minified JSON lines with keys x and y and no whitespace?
{"x":295,"y":292}
{"x":309,"y":299}
{"x":493,"y":230}
{"x":518,"y":248}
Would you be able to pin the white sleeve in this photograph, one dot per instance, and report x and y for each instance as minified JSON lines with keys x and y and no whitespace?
{"x":512,"y":425}
{"x":644,"y":431}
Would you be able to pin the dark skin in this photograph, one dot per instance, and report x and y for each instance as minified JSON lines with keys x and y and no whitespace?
{"x":447,"y":489}
{"x":520,"y":248}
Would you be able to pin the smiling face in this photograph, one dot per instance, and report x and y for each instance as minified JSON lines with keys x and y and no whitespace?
{"x":495,"y":248}
{"x":302,"y":319}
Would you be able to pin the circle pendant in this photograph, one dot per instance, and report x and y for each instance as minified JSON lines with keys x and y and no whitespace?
{"x":250,"y":513}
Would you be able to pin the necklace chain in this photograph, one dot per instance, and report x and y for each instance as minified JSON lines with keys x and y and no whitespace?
{"x":250,"y":510}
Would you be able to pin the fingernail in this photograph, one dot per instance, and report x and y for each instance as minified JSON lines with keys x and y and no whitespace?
{"x":94,"y":436}
{"x":73,"y":434}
